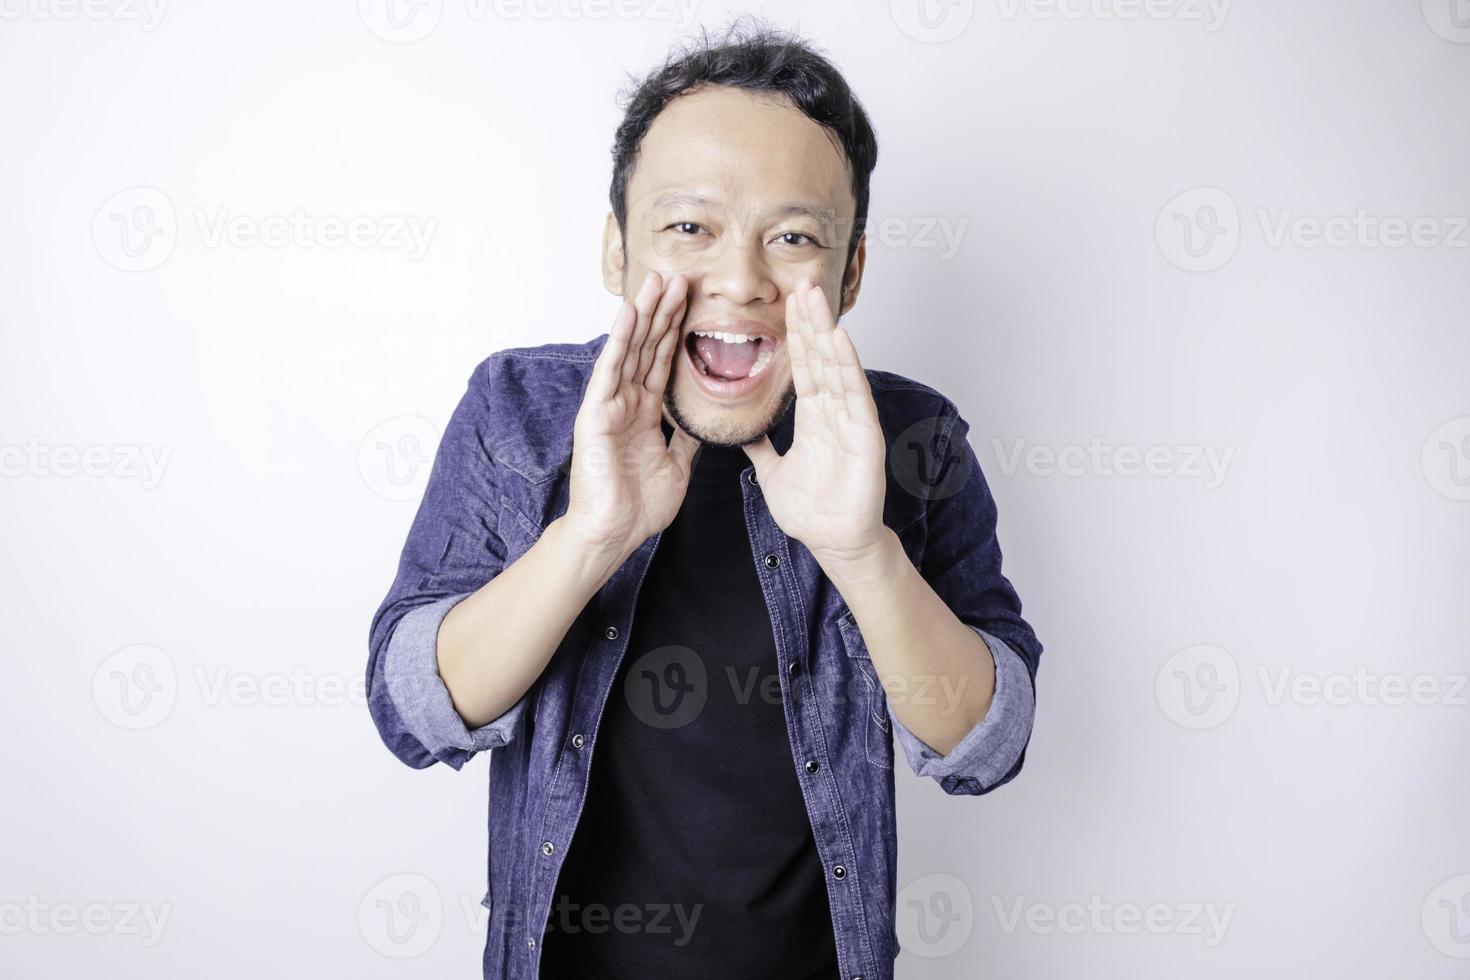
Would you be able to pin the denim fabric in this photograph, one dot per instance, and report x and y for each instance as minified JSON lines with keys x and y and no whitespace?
{"x":501,"y":475}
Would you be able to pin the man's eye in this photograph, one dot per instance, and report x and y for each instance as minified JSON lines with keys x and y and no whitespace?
{"x":685,"y":228}
{"x":797,"y":238}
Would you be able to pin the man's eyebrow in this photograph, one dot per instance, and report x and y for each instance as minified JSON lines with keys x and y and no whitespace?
{"x":678,"y":199}
{"x":824,"y":215}
{"x":672,"y":199}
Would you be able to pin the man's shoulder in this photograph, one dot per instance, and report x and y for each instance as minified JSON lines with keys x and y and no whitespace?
{"x":528,"y":398}
{"x":545,"y":377}
{"x":900,"y":391}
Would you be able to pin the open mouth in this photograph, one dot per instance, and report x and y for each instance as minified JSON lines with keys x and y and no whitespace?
{"x":725,"y":356}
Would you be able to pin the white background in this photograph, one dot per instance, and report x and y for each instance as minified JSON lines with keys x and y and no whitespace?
{"x":295,"y":391}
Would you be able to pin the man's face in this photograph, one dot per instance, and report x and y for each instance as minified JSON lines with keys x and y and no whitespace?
{"x":745,"y":196}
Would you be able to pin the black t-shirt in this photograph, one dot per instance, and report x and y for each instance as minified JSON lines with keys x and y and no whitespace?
{"x":694,"y":854}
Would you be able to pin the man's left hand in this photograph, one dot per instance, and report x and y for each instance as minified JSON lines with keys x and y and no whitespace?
{"x":827,"y":490}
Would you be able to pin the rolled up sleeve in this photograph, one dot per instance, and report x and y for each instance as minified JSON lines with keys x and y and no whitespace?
{"x":992,"y":748}
{"x":453,"y":548}
{"x":410,"y":672}
{"x":961,"y":562}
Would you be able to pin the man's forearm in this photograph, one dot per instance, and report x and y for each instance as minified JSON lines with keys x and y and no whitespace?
{"x":938,"y":673}
{"x":494,"y":644}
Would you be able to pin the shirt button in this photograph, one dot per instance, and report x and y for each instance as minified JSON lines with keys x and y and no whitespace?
{"x":838,"y":871}
{"x":578,"y":741}
{"x":751,"y":478}
{"x":792,"y":668}
{"x":772,"y":561}
{"x":530,"y":944}
{"x":813,"y":765}
{"x":611,"y":632}
{"x":547,"y":848}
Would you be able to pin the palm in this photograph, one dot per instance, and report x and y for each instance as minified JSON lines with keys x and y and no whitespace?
{"x":641,"y":484}
{"x":626,"y":484}
{"x":827,"y":490}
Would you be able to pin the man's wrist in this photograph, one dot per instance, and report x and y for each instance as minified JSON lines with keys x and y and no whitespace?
{"x":594,"y":562}
{"x":873,"y":569}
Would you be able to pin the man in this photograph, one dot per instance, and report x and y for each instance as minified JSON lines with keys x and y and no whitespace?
{"x":692,"y":577}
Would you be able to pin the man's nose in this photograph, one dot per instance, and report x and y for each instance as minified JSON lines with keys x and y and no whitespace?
{"x":737,"y":272}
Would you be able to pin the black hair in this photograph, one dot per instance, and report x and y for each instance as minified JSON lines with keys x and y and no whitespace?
{"x":757,"y":58}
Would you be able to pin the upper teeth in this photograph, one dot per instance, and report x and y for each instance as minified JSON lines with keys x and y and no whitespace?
{"x":729,"y":338}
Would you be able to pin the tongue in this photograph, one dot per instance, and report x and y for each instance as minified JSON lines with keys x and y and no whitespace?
{"x":728,"y":361}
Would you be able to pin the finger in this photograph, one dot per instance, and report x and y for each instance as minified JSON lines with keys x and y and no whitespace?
{"x":813,"y":354}
{"x":854,"y":379}
{"x":672,"y":298}
{"x":668,"y":348}
{"x":801,"y":377}
{"x":646,"y":302}
{"x":608,"y":368}
{"x":819,"y":316}
{"x":762,"y":454}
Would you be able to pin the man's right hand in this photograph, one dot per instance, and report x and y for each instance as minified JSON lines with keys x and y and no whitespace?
{"x":626,"y":483}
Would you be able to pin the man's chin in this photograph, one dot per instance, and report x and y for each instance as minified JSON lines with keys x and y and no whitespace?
{"x":728,"y":429}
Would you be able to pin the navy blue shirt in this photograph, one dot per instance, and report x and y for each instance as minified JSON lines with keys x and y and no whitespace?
{"x":502,"y":473}
{"x":694,"y":856}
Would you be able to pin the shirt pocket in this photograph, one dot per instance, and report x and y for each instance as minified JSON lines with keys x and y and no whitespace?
{"x":877,"y":738}
{"x":517,"y":532}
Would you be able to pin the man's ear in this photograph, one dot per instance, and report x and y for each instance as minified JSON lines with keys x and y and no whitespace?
{"x":613,"y":259}
{"x":852,"y":279}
